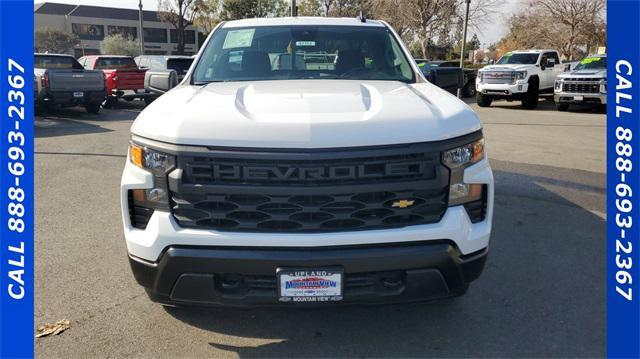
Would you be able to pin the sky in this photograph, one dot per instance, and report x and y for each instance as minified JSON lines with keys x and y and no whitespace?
{"x":487,"y":33}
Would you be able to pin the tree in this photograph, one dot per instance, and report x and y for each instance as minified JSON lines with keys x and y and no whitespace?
{"x":118,"y":44}
{"x":474,"y":43}
{"x":478,"y":56}
{"x":309,"y":8}
{"x":430,"y":22}
{"x":426,"y":18}
{"x":47,"y":39}
{"x":208,"y":15}
{"x":242,"y":9}
{"x":180,"y":14}
{"x":387,"y":10}
{"x":557,"y":24}
{"x":577,"y":16}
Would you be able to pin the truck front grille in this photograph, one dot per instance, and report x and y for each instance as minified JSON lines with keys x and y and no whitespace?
{"x":581,"y":85}
{"x":498,"y":77}
{"x":325,"y":191}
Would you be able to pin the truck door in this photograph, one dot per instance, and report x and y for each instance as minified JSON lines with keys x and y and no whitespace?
{"x":549,"y":69}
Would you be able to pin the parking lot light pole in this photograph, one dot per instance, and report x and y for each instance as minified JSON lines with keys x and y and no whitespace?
{"x":464,"y":40}
{"x":141,"y":28}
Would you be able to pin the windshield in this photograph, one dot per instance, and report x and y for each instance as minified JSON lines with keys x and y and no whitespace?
{"x":116,"y":63}
{"x":56,"y":62}
{"x":520,"y":59}
{"x":302,"y":52}
{"x":592,"y":63}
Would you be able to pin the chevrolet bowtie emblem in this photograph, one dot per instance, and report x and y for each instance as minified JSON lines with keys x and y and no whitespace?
{"x":404,"y":203}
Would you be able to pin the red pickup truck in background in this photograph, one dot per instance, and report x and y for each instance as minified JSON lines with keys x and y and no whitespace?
{"x":123,"y":78}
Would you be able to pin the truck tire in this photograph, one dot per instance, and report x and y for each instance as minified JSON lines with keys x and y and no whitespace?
{"x":109,"y":102}
{"x":530,"y":100}
{"x":562,"y":106}
{"x":148,"y":100}
{"x":469,"y":89}
{"x":93,"y":107}
{"x":483,"y":100}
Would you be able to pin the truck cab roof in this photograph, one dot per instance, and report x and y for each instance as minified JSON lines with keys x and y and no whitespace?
{"x":297,"y":21}
{"x":532,"y":51}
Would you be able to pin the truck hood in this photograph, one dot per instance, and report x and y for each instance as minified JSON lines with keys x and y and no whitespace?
{"x":595,"y":74}
{"x":513,"y":67}
{"x":305,"y":114}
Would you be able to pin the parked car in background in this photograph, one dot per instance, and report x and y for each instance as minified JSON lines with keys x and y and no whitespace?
{"x":59,"y":80}
{"x":447,"y":78}
{"x":447,"y":75}
{"x":162,"y":68}
{"x":469,"y":75}
{"x":519,"y":75}
{"x":123,"y":78}
{"x":179,"y":64}
{"x":586,"y":84}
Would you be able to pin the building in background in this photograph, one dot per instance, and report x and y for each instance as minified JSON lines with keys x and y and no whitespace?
{"x":92,"y":23}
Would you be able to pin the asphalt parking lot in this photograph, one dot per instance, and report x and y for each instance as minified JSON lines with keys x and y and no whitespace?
{"x":542,"y":292}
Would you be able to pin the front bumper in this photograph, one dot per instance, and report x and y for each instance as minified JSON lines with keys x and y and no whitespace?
{"x":587,"y":98}
{"x":502,"y":90}
{"x":205,"y":276}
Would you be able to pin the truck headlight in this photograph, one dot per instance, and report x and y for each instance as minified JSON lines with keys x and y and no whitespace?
{"x":457,"y":160}
{"x":558,"y":85}
{"x":603,"y":86}
{"x":159,"y":164}
{"x":521,"y":75}
{"x":465,"y":155}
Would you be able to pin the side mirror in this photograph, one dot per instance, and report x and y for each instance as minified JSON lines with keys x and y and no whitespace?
{"x":160,"y":81}
{"x":551,"y":62}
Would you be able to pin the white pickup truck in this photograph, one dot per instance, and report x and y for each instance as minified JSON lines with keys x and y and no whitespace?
{"x":586,"y":84}
{"x":519,"y":75}
{"x":261,"y":182}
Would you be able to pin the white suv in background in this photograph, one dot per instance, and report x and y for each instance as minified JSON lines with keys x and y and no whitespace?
{"x":342,"y":177}
{"x":518,"y":75}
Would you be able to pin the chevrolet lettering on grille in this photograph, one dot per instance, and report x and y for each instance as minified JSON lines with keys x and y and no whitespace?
{"x":341,"y":172}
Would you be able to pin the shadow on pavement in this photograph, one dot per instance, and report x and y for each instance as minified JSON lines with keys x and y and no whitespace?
{"x":542,"y":292}
{"x":76,"y":121}
{"x":546,"y":103}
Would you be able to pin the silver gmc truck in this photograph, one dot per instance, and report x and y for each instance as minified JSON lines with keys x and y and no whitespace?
{"x":61,"y":81}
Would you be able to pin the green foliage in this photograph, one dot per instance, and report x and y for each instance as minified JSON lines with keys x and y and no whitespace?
{"x":473,"y":44}
{"x":54,"y":40}
{"x":242,"y":9}
{"x":120,"y":45}
{"x":309,"y":8}
{"x":208,"y":15}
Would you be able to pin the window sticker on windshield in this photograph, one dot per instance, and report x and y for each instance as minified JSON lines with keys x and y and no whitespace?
{"x":238,"y":38}
{"x":589,"y":60}
{"x":305,"y":43}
